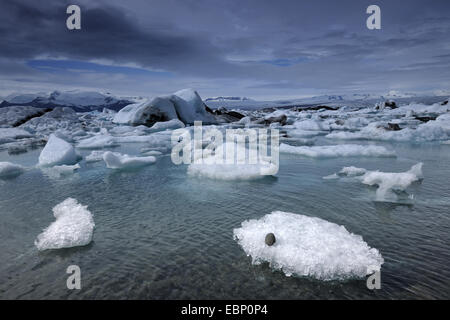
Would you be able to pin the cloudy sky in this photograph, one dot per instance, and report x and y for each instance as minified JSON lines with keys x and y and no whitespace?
{"x":262,"y":49}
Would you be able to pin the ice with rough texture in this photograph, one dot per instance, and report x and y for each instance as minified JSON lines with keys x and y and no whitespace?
{"x":73,"y":227}
{"x":14,"y":115}
{"x":94,"y":156}
{"x":57,"y":152}
{"x":185,"y":105}
{"x":115,"y":160}
{"x":12,"y":134}
{"x":8,"y":169}
{"x":98,"y":142}
{"x":144,"y":112}
{"x":342,"y":150}
{"x":390,"y":181}
{"x":387,"y":182}
{"x":308,"y":246}
{"x":215,"y":166}
{"x":171,"y":124}
{"x":190,"y":107}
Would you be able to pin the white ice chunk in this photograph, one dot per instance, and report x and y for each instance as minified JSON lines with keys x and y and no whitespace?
{"x":8,"y":169}
{"x":11,"y":134}
{"x":185,"y":105}
{"x":190,"y":107}
{"x":73,"y":227}
{"x":98,"y":142}
{"x":115,"y":160}
{"x":172,"y":124}
{"x":94,"y":156}
{"x":57,"y":152}
{"x":389,"y":181}
{"x":352,"y":171}
{"x":308,"y":246}
{"x":343,"y":150}
{"x":216,"y":167}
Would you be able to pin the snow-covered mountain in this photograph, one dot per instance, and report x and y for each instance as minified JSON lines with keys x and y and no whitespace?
{"x":77,"y":100}
{"x":228,"y":99}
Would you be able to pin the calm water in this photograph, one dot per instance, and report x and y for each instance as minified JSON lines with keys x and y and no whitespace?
{"x":163,"y":235}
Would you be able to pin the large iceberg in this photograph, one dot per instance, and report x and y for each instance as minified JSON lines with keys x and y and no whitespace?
{"x":73,"y":227}
{"x":185,"y":105}
{"x":308,"y":246}
{"x":57,"y":152}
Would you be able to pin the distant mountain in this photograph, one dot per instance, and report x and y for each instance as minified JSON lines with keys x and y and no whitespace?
{"x":80,"y":101}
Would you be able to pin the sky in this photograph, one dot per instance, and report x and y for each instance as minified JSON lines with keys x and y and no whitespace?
{"x":262,"y":49}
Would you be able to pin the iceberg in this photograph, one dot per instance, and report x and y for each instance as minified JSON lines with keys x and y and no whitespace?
{"x":343,"y":150}
{"x":215,"y":166}
{"x":94,"y":156}
{"x":190,"y":107}
{"x":15,"y":115}
{"x":59,"y":171}
{"x":73,"y":227}
{"x":307,"y":246}
{"x":387,"y":182}
{"x":12,"y":134}
{"x":115,"y":160}
{"x":167,"y":125}
{"x":184,"y":105}
{"x":98,"y":142}
{"x":57,"y":152}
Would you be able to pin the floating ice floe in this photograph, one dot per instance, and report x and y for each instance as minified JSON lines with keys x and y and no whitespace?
{"x":94,"y":156}
{"x":98,"y":142}
{"x":60,"y":171}
{"x":57,"y":152}
{"x":115,"y":160}
{"x":171,"y":124}
{"x":436,"y":130}
{"x":387,"y":182}
{"x":12,"y":134}
{"x":215,"y":166}
{"x":8,"y":169}
{"x":73,"y":227}
{"x":308,"y":246}
{"x":343,"y":150}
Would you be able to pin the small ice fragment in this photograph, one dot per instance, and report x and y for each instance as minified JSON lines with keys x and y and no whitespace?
{"x":74,"y":226}
{"x":57,"y":152}
{"x":115,"y":160}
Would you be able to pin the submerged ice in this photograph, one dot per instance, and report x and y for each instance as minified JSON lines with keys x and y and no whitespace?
{"x":307,"y":246}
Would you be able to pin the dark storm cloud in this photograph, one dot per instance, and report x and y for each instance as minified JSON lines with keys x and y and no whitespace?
{"x":29,"y":30}
{"x":228,"y":47}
